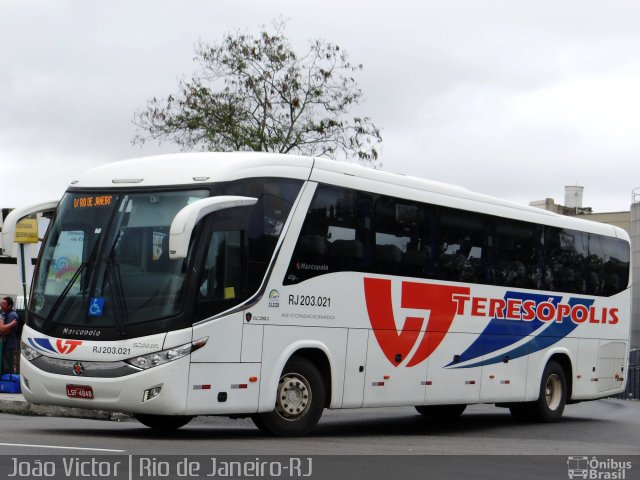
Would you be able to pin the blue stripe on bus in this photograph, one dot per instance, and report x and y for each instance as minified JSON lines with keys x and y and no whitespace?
{"x":506,"y":332}
{"x":555,"y":332}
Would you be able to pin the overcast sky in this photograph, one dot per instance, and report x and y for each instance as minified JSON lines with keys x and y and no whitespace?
{"x":511,"y":98}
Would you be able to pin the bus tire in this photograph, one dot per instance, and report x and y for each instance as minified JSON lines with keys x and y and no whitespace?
{"x":299,"y":403}
{"x":441,"y":411}
{"x":553,"y":394}
{"x":551,"y":399}
{"x":163,"y":422}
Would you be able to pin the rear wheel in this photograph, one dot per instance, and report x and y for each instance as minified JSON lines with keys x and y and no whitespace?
{"x":441,"y":411}
{"x":553,"y":394}
{"x":163,"y":422}
{"x":299,"y":404}
{"x":552,"y":398}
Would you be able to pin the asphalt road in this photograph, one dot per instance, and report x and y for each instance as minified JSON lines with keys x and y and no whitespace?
{"x":367,"y":443}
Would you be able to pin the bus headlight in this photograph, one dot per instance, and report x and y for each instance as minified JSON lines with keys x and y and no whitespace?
{"x":29,"y":352}
{"x":165,"y":356}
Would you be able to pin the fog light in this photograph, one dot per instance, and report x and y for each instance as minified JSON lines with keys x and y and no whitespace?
{"x":151,"y":393}
{"x":26,"y":382}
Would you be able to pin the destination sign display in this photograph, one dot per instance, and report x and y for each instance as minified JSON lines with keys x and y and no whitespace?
{"x":91,"y":201}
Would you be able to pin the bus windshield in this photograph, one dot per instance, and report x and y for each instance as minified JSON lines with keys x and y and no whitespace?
{"x":102,"y":245}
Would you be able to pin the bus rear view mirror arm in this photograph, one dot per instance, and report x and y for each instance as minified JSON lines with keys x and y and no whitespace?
{"x":187,"y":218}
{"x":9,"y":227}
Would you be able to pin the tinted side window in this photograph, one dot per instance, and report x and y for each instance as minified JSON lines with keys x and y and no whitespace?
{"x":517,"y":260}
{"x":335,"y":235}
{"x":347,"y":230}
{"x":240,"y":243}
{"x":275,"y":199}
{"x":222,"y":279}
{"x":579,"y":262}
{"x":463,"y":246}
{"x":566,"y":253}
{"x":608,"y":262}
{"x":404,"y":236}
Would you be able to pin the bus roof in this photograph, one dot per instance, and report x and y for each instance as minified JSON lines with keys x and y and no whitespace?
{"x":193,"y":169}
{"x":205,"y":167}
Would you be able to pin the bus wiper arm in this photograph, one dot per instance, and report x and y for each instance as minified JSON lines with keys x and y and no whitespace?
{"x":83,"y":266}
{"x":63,"y":295}
{"x":117,"y":293}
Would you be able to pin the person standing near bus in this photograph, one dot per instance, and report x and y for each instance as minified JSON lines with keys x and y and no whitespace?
{"x":8,"y":330}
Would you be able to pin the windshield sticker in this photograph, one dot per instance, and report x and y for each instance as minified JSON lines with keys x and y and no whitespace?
{"x":96,"y":307}
{"x":64,"y":268}
{"x":158,"y":238}
{"x":67,"y":255}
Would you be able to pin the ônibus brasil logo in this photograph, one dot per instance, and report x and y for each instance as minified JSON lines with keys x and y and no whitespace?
{"x":543,"y":319}
{"x":63,"y":347}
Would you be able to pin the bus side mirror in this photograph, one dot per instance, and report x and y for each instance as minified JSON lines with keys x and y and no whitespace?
{"x":9,"y":228}
{"x":186,"y":219}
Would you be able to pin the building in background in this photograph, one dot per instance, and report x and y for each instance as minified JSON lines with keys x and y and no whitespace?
{"x":627,"y":220}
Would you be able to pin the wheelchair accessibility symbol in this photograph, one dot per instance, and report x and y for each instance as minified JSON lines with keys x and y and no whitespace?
{"x":96,"y":306}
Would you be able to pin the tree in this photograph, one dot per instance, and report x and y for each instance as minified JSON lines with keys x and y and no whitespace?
{"x":257,"y":94}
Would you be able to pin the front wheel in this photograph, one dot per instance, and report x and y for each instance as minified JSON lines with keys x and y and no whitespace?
{"x":299,"y":404}
{"x":163,"y":422}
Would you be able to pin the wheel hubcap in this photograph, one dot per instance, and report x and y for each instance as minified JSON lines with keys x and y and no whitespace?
{"x":294,"y":396}
{"x":553,"y":392}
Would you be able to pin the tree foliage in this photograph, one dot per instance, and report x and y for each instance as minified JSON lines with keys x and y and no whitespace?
{"x":255,"y":93}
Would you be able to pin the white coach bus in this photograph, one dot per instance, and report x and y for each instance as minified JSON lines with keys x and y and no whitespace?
{"x":276,"y":286}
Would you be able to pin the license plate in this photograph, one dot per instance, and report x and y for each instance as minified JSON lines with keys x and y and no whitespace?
{"x":80,"y":391}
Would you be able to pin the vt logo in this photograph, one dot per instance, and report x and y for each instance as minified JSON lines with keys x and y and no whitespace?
{"x":67,"y":346}
{"x":397,"y":343}
{"x":61,"y":346}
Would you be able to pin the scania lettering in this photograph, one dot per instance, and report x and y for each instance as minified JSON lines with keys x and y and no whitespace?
{"x":275,"y":286}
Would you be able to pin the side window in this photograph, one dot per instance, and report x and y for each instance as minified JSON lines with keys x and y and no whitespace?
{"x":265,"y":222}
{"x":346,"y":230}
{"x":565,"y":260}
{"x":240,"y":243}
{"x":221,"y":277}
{"x":403,"y":235}
{"x":608,"y":265}
{"x":463,"y":246}
{"x":221,"y":281}
{"x":517,"y":260}
{"x":334,"y":236}
{"x":616,"y":265}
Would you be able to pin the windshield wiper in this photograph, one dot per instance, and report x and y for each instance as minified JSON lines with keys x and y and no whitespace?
{"x":63,"y":295}
{"x":65,"y":292}
{"x":117,"y":293}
